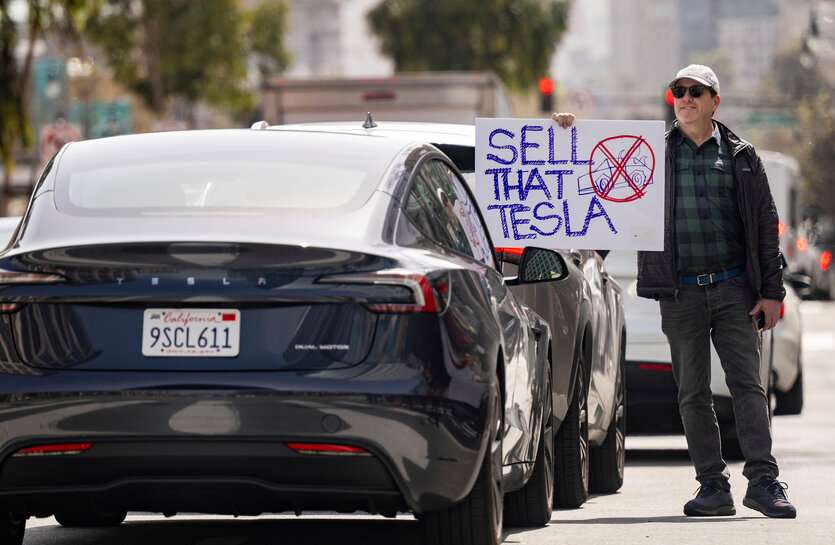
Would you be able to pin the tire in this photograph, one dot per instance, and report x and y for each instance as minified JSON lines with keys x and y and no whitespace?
{"x":90,"y":518}
{"x":790,"y":402}
{"x":571,"y":448}
{"x":477,"y":520}
{"x":533,"y":504}
{"x":609,"y":459}
{"x":11,"y":529}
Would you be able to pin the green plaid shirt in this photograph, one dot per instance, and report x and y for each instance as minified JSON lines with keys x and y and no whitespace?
{"x":708,"y":229}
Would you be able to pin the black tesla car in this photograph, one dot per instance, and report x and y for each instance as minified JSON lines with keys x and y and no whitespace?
{"x":250,"y":321}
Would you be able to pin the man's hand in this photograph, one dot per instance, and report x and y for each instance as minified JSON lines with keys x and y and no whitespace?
{"x":770,"y":309}
{"x":564,"y":120}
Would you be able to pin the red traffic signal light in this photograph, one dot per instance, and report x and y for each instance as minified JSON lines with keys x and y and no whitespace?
{"x":546,"y":86}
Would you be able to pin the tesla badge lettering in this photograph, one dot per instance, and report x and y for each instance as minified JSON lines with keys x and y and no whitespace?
{"x":322,"y":347}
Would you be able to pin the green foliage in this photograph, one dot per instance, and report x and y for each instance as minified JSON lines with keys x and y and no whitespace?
{"x":264,"y":25}
{"x":514,"y":38}
{"x":811,"y":99}
{"x":14,"y":76}
{"x":12,"y":120}
{"x":166,"y":48}
{"x":817,"y":116}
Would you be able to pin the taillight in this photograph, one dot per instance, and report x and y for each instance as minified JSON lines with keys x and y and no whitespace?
{"x":424,"y":298}
{"x":327,"y":448}
{"x":781,"y":228}
{"x":655,"y":366}
{"x":511,"y":251}
{"x":825,"y":260}
{"x":427,"y":296}
{"x":18,"y":277}
{"x":782,"y":310}
{"x":54,"y":450}
{"x":8,"y":308}
{"x":802,"y":244}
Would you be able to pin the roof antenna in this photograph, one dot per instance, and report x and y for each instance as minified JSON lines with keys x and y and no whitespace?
{"x":369,"y":123}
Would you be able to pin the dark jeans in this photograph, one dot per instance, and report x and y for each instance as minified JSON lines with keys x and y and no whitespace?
{"x":719,"y":311}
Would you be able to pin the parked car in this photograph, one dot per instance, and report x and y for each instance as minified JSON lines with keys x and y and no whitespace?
{"x":784,"y":350}
{"x":814,"y":258}
{"x":585,"y":312}
{"x":8,"y":225}
{"x":248,"y":321}
{"x":588,"y":323}
{"x":652,"y":404}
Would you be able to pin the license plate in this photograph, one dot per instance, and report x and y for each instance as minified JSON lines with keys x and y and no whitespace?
{"x":191,"y":332}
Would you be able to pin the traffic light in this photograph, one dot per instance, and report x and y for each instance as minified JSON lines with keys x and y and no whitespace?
{"x":546,"y":95}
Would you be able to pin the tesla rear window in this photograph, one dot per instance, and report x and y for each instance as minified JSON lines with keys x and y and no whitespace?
{"x":220,"y":184}
{"x":254,"y":174}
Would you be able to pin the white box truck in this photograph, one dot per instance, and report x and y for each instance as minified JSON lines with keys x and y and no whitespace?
{"x":440,"y":97}
{"x":783,"y":173}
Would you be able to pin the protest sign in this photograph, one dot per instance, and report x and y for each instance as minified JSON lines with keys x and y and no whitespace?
{"x":597,"y":185}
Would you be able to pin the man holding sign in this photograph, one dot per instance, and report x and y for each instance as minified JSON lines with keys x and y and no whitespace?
{"x":718,"y":276}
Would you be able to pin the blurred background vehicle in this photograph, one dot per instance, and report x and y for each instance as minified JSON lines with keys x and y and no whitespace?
{"x":8,"y":224}
{"x":652,"y":403}
{"x":815,"y":245}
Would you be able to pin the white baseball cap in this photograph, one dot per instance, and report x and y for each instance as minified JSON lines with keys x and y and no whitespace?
{"x":700,"y":73}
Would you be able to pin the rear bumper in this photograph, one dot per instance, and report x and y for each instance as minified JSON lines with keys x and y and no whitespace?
{"x":199,"y":442}
{"x":652,"y":400}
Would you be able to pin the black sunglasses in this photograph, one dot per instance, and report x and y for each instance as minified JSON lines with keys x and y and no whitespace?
{"x":695,"y":90}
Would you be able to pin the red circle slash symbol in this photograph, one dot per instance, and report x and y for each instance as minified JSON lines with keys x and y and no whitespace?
{"x":624,"y":177}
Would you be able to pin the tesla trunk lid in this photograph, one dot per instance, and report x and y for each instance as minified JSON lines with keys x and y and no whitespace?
{"x":193,"y":306}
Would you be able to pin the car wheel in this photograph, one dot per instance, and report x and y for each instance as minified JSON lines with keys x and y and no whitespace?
{"x":609,"y":459}
{"x":571,"y":448}
{"x":790,"y":402}
{"x":90,"y":518}
{"x":11,"y":529}
{"x":478,"y":518}
{"x":533,"y":503}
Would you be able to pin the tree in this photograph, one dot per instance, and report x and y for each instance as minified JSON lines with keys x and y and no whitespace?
{"x":13,"y":120}
{"x":177,"y":48}
{"x":817,"y":117}
{"x":264,"y":25}
{"x":514,"y":38}
{"x":799,"y":80}
{"x":41,"y":16}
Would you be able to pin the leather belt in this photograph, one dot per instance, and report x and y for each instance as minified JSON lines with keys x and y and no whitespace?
{"x":705,"y":279}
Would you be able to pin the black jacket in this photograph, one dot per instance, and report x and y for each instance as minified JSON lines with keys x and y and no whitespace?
{"x":657,"y":276}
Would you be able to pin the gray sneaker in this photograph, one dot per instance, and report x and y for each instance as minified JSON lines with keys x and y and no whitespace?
{"x":712,"y":500}
{"x":768,"y":496}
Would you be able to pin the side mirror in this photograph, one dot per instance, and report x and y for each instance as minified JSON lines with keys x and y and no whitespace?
{"x":541,"y":265}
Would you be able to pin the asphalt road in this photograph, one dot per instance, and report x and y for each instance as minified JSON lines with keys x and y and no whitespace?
{"x":647,"y":510}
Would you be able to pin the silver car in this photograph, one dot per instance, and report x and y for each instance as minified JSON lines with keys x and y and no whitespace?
{"x":586,"y":315}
